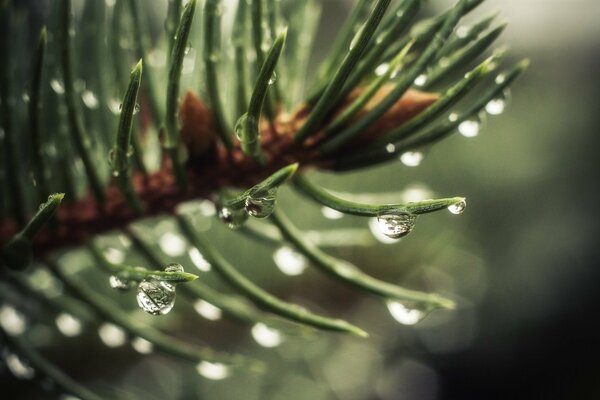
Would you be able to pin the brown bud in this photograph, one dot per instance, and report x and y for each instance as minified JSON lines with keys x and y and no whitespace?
{"x":197,"y":127}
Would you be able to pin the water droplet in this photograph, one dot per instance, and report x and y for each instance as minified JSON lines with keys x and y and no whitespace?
{"x":266,"y":336}
{"x":458,"y":208}
{"x":233,"y":218}
{"x":136,"y":108}
{"x":241,"y":125}
{"x":500,"y":79}
{"x":356,"y":37}
{"x":114,"y":106}
{"x":17,"y":366}
{"x":89,"y":99}
{"x":330,"y":213}
{"x":289,"y":261}
{"x":261,"y":207}
{"x":112,"y":335}
{"x":114,"y":255}
{"x":25,"y":97}
{"x":470,"y":128}
{"x":118,"y":283}
{"x":462,"y":31}
{"x":207,"y":310}
{"x":188,"y":47}
{"x":382,"y":69}
{"x":390,"y":148}
{"x":444,"y":62}
{"x":198,"y":259}
{"x":156,"y":297}
{"x":497,"y":105}
{"x":68,"y":325}
{"x":215,"y":57}
{"x":273,"y":78}
{"x":57,"y":86}
{"x":172,"y":244}
{"x":412,"y":158}
{"x":452,"y":117}
{"x":213,"y":371}
{"x":396,"y":224}
{"x":142,"y":346}
{"x":174,"y":267}
{"x":406,"y":314}
{"x":421,"y":80}
{"x":12,"y":321}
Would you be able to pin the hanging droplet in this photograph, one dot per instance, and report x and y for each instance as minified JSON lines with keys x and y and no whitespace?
{"x":412,"y":158}
{"x":207,"y":310}
{"x":112,"y":335}
{"x":172,"y":244}
{"x":142,"y":346}
{"x":156,"y":297}
{"x":17,"y":366}
{"x":266,"y":336}
{"x":119,"y":283}
{"x":198,"y":259}
{"x":89,"y":99}
{"x":405,"y":313}
{"x":233,"y":218}
{"x":68,"y":325}
{"x":261,"y":207}
{"x":273,"y":78}
{"x":382,"y":69}
{"x":57,"y":86}
{"x":330,"y":213}
{"x":188,"y":48}
{"x":421,"y":80}
{"x":213,"y":371}
{"x":12,"y":321}
{"x":396,"y":224}
{"x":289,"y":261}
{"x":458,"y":208}
{"x":470,"y":128}
{"x":136,"y":108}
{"x":497,"y":105}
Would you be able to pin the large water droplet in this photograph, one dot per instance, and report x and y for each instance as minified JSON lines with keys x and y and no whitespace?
{"x":118,"y":283}
{"x":156,"y":297}
{"x":68,"y":325}
{"x":89,"y":99}
{"x":260,"y":207}
{"x":17,"y":366}
{"x":412,"y":158}
{"x":470,"y":128}
{"x":57,"y":86}
{"x":233,"y":218}
{"x":405,"y":313}
{"x":12,"y":321}
{"x":112,"y":335}
{"x":207,"y":310}
{"x":198,"y":259}
{"x":289,"y":261}
{"x":330,"y":213}
{"x":266,"y":336}
{"x":396,"y":224}
{"x":421,"y":80}
{"x":497,"y":105}
{"x":213,"y":371}
{"x":142,"y":346}
{"x":458,"y":208}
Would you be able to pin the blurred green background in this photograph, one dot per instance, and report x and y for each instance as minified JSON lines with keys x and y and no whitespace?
{"x":522,"y":261}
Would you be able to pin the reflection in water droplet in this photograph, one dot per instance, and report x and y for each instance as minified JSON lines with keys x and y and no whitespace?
{"x":470,"y":127}
{"x":233,"y":218}
{"x":57,"y":86}
{"x":207,"y":310}
{"x":377,"y":234}
{"x":404,"y":313}
{"x":396,"y":224}
{"x":112,"y":335}
{"x":421,"y":80}
{"x":382,"y":69}
{"x":68,"y":325}
{"x":198,"y":259}
{"x":142,"y":346}
{"x":116,"y":282}
{"x":458,"y":208}
{"x":155,"y":297}
{"x":412,"y":158}
{"x":213,"y":371}
{"x":260,"y":207}
{"x":89,"y":99}
{"x":266,"y":336}
{"x":330,"y":213}
{"x":17,"y":366}
{"x":172,"y":244}
{"x":289,"y":261}
{"x":12,"y":321}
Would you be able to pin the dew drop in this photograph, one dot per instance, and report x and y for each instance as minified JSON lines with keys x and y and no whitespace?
{"x":462,"y":31}
{"x":89,"y":99}
{"x":421,"y":80}
{"x":114,"y":106}
{"x":260,"y":207}
{"x":356,"y":37}
{"x":215,"y":57}
{"x":266,"y":336}
{"x":382,"y":69}
{"x":112,"y":335}
{"x":330,"y":213}
{"x":497,"y":105}
{"x":289,"y":261}
{"x":136,"y":108}
{"x":12,"y":321}
{"x":17,"y":366}
{"x":68,"y":325}
{"x":396,"y":224}
{"x":233,"y":218}
{"x":188,"y":48}
{"x":118,"y":283}
{"x":500,"y":79}
{"x":412,"y":158}
{"x":114,"y":255}
{"x":404,"y":313}
{"x":142,"y":346}
{"x":213,"y":371}
{"x":390,"y":148}
{"x":470,"y":127}
{"x":57,"y":86}
{"x":273,"y":78}
{"x":207,"y":310}
{"x":458,"y":208}
{"x":155,"y":297}
{"x":198,"y":259}
{"x":172,"y":244}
